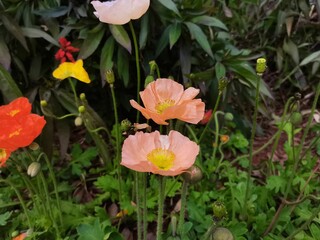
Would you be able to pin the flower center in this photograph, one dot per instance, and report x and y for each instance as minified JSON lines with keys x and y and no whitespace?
{"x":160,"y":107}
{"x":3,"y":154}
{"x":162,"y":158}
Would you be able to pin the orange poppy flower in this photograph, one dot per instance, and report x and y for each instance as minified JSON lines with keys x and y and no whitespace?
{"x":18,"y":127}
{"x":20,"y":237}
{"x":167,"y":155}
{"x":165,"y":99}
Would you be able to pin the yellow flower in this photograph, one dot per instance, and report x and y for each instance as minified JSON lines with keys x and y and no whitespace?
{"x":70,"y":69}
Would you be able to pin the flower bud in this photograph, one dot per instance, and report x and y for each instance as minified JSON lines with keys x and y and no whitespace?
{"x":228,"y":116}
{"x":148,"y":80}
{"x":81,"y":109}
{"x":221,"y":233}
{"x":78,"y":121}
{"x":110,"y":76}
{"x":153,"y":66}
{"x":219,"y":210}
{"x":296,"y":119}
{"x":224,"y":139}
{"x":34,"y":146}
{"x":43,"y":103}
{"x":261,"y":65}
{"x":33,"y":169}
{"x":14,"y":233}
{"x":82,"y":96}
{"x":125,"y":125}
{"x":223,"y":82}
{"x":193,"y":174}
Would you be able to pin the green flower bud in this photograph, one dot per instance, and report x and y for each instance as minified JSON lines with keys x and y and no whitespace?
{"x":78,"y":121}
{"x":82,"y":96}
{"x":223,"y":82}
{"x":34,"y":146}
{"x":33,"y":169}
{"x":222,"y":234}
{"x":192,"y":175}
{"x":261,"y":65}
{"x":110,"y":76}
{"x":14,"y":233}
{"x":43,"y":103}
{"x":296,"y":119}
{"x":148,"y":80}
{"x":153,"y":66}
{"x":219,"y":210}
{"x":81,"y":109}
{"x":228,"y":116}
{"x":125,"y":125}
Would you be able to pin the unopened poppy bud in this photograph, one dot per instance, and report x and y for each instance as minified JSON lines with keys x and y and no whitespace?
{"x":82,"y":96}
{"x":81,"y":109}
{"x":193,"y":174}
{"x":125,"y":125}
{"x":228,"y":116}
{"x":261,"y":65}
{"x":219,"y":210}
{"x":33,"y":169}
{"x":296,"y":119}
{"x":78,"y":121}
{"x":110,"y":76}
{"x":221,"y":233}
{"x":148,"y":80}
{"x":43,"y":103}
{"x":34,"y":146}
{"x":14,"y":233}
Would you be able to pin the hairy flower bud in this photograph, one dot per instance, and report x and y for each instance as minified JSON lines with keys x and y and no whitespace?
{"x":219,"y":210}
{"x":81,"y":109}
{"x":296,"y":119}
{"x":78,"y":121}
{"x":228,"y":116}
{"x":193,"y":174}
{"x":125,"y":125}
{"x":33,"y":169}
{"x":34,"y":146}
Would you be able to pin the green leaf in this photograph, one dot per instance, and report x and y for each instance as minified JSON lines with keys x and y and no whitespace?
{"x":106,"y":56}
{"x":91,"y":232}
{"x":9,"y":88}
{"x":121,"y":36}
{"x":291,"y":49}
{"x":144,"y":30}
{"x":123,"y":66}
{"x":170,"y":5}
{"x":11,"y":25}
{"x":107,"y":183}
{"x":174,"y":33}
{"x":37,"y":33}
{"x":209,"y":21}
{"x":315,"y":230}
{"x":52,"y":12}
{"x":4,"y":218}
{"x":276,"y":183}
{"x":220,"y":70}
{"x":200,"y":37}
{"x":91,"y":42}
{"x":5,"y":57}
{"x":311,"y":58}
{"x":163,"y":42}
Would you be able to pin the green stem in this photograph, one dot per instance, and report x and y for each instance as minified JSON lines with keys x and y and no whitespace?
{"x":23,"y":204}
{"x":118,"y":139}
{"x":144,"y":205}
{"x":216,"y":138}
{"x":136,"y":51}
{"x":212,"y":116}
{"x":253,"y":133}
{"x":73,"y":88}
{"x":183,"y":208}
{"x":138,"y":201}
{"x":160,"y":206}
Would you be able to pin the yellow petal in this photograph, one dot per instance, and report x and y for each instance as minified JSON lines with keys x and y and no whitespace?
{"x":70,"y":69}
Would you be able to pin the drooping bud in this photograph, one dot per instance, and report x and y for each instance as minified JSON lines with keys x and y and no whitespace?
{"x":219,"y":211}
{"x":43,"y":103}
{"x":81,"y":109}
{"x":228,"y":116}
{"x":261,"y":66}
{"x":78,"y":121}
{"x":33,"y":169}
{"x":34,"y":146}
{"x":224,"y":139}
{"x":125,"y":125}
{"x":110,"y":76}
{"x":221,"y":233}
{"x":193,"y":174}
{"x":296,"y":119}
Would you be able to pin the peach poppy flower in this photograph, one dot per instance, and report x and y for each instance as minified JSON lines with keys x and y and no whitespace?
{"x":165,"y":99}
{"x":119,"y":12}
{"x":167,"y":155}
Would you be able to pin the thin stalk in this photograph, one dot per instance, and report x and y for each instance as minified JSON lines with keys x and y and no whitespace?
{"x":161,"y":198}
{"x":212,"y":116}
{"x":144,"y":205}
{"x":216,"y":138}
{"x":138,"y":202}
{"x":118,"y":139}
{"x":136,"y":52}
{"x":183,"y":208}
{"x":253,"y":133}
{"x":73,"y":88}
{"x":23,"y":204}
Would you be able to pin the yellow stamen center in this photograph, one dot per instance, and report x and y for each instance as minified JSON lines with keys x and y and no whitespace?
{"x":14,"y":112}
{"x":15,"y":133}
{"x":160,"y":107}
{"x":3,"y":154}
{"x":162,"y":158}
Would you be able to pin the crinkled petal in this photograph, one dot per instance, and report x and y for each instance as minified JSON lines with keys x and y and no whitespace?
{"x":17,"y":108}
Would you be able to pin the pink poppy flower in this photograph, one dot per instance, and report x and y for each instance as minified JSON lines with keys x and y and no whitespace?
{"x":167,"y":155}
{"x":165,"y":99}
{"x":120,"y":12}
